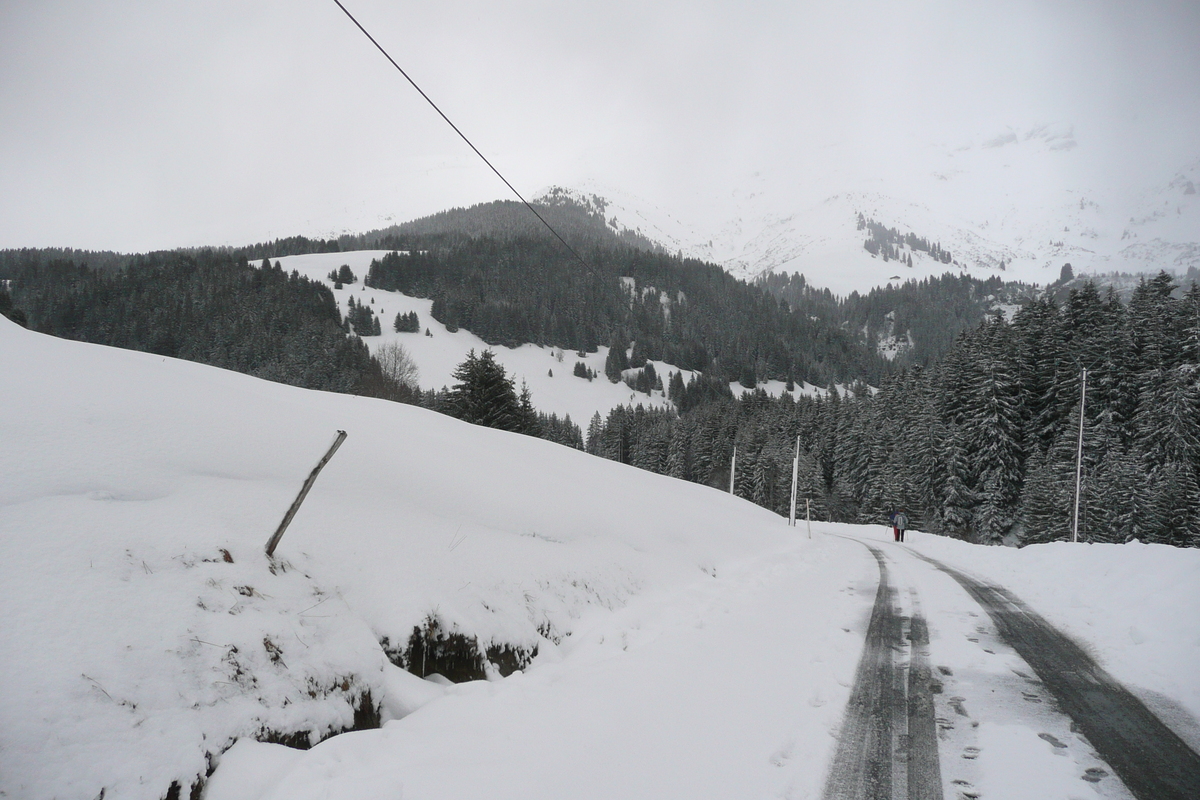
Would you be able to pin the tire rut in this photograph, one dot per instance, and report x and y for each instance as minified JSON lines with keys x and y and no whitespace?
{"x":1151,"y":760}
{"x":887,"y":748}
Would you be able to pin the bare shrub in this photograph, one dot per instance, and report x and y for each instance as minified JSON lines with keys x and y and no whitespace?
{"x":397,"y":364}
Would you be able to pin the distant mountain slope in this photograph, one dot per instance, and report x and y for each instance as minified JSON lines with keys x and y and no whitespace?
{"x":529,"y":289}
{"x":1032,"y":199}
{"x":580,"y":219}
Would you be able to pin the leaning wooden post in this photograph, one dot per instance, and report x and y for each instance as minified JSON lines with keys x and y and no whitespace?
{"x":312,"y":478}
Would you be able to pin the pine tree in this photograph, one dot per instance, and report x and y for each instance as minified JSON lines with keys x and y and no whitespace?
{"x":484,"y":394}
{"x":958,"y":501}
{"x":528,"y":416}
{"x":617,"y":361}
{"x":595,"y":434}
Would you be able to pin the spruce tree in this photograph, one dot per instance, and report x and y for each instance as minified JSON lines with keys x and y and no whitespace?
{"x":484,"y":394}
{"x":617,"y":361}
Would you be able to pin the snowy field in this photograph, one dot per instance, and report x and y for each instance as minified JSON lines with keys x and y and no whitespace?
{"x":689,"y":644}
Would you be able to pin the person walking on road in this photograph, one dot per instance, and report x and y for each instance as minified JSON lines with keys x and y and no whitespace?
{"x":899,"y":523}
{"x":895,"y":530}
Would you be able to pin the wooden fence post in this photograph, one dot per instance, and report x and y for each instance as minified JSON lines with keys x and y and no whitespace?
{"x":312,"y":478}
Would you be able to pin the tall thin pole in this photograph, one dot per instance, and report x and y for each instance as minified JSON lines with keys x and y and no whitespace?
{"x":1079,"y":453}
{"x":808,"y":514}
{"x":795,"y":471}
{"x":732,"y":469}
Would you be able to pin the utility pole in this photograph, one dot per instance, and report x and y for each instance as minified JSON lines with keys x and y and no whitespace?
{"x":1079,"y":452}
{"x":795,"y":471}
{"x":732,"y":469}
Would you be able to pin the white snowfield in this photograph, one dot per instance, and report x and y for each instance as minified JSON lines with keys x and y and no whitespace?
{"x":699,"y":647}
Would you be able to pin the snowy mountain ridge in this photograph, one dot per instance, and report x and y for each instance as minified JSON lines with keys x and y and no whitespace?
{"x":1032,"y":198}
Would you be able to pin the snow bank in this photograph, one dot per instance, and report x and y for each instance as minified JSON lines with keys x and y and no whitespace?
{"x":143,"y":627}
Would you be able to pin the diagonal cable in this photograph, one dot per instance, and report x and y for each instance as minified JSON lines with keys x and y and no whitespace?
{"x":463,"y":136}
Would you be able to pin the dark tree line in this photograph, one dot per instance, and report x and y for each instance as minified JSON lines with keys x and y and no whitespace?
{"x":15,"y":262}
{"x":580,"y":222}
{"x":932,"y":311}
{"x":982,"y":445}
{"x":210,"y":307}
{"x":685,"y":312}
{"x":216,"y":308}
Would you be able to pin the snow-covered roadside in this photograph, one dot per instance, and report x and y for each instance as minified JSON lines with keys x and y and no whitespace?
{"x":1133,"y":606}
{"x":131,"y":647}
{"x":732,"y":686}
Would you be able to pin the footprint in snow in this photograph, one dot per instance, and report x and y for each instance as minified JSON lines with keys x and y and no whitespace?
{"x":1052,"y":740}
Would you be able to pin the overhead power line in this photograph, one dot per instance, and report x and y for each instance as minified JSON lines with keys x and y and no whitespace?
{"x":463,"y":136}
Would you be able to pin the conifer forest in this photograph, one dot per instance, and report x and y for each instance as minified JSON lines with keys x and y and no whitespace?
{"x":983,"y":444}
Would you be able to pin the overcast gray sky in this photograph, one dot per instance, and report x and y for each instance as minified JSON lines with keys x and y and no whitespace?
{"x":142,"y":125}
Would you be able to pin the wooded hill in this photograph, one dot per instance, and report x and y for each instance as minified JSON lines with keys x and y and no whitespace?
{"x":210,"y":307}
{"x":932,"y":311}
{"x":581,"y":221}
{"x":685,"y":312}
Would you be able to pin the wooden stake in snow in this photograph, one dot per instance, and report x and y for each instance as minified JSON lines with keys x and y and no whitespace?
{"x":808,"y":514}
{"x":312,"y":478}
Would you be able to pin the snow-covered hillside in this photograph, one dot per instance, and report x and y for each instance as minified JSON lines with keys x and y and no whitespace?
{"x":143,"y":626}
{"x":554,"y":387}
{"x":688,"y":644}
{"x":1034,"y":198}
{"x":547,"y":371}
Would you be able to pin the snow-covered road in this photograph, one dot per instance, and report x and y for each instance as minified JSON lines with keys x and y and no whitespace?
{"x":1003,"y":675}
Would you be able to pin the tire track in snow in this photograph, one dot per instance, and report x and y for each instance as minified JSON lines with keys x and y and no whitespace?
{"x":888,"y":744}
{"x":1151,"y":760}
